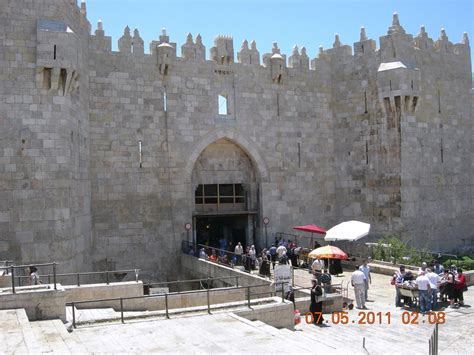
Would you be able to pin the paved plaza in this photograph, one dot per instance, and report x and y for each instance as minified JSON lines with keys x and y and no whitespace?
{"x":225,"y":332}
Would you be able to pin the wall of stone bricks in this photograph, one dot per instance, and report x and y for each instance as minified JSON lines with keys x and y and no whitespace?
{"x":343,"y":138}
{"x":44,"y":145}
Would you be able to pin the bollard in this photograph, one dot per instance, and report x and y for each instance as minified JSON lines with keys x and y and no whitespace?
{"x":237,"y":281}
{"x":13,"y":279}
{"x":78,"y":281}
{"x":208,"y":298}
{"x":54,"y":275}
{"x":107,"y":277}
{"x":121,"y":309}
{"x":248,"y":296}
{"x":166,"y":306}
{"x":73,"y":315}
{"x":282,"y":292}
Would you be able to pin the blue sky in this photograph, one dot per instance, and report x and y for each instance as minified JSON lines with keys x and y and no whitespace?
{"x":308,"y":23}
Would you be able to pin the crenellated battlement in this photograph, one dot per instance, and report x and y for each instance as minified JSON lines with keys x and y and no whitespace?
{"x":396,"y":45}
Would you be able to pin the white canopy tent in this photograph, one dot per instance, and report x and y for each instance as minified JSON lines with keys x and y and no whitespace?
{"x":347,"y":231}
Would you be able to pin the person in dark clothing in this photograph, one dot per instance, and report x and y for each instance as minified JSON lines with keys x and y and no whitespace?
{"x":290,"y":295}
{"x":293,"y":256}
{"x":247,"y":262}
{"x":335,"y":267}
{"x":316,"y":305}
{"x":273,"y":254}
{"x":265,"y":264}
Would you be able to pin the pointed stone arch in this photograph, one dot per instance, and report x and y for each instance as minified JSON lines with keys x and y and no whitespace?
{"x":240,"y":140}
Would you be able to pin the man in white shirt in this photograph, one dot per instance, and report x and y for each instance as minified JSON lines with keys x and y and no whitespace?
{"x":239,"y":250}
{"x":423,"y":292}
{"x":434,"y":280}
{"x":368,"y":279}
{"x":358,"y":282}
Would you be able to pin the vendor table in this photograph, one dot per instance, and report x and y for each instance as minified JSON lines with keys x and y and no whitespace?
{"x":409,"y":292}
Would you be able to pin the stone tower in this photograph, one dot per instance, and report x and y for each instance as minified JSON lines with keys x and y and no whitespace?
{"x":45,"y":194}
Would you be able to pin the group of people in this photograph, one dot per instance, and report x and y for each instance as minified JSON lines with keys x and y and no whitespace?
{"x":431,"y":283}
{"x":281,"y":251}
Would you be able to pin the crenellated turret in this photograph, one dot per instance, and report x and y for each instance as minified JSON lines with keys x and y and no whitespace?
{"x":191,"y":50}
{"x":276,"y":62}
{"x":165,"y":53}
{"x":365,"y":45}
{"x":248,"y":55}
{"x":397,"y":45}
{"x":137,"y":43}
{"x":200,"y":49}
{"x":100,"y":41}
{"x":294,"y":58}
{"x":223,"y":50}
{"x":338,"y":50}
{"x":187,"y":49}
{"x":100,"y":29}
{"x":125,"y":42}
{"x":465,"y":39}
{"x":297,"y":60}
{"x":422,"y":41}
{"x":83,"y":8}
{"x":443,"y":44}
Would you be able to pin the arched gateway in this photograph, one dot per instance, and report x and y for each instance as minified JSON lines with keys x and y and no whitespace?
{"x":225,"y":191}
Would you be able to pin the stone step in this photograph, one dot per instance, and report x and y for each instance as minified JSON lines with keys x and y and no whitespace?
{"x":53,"y":336}
{"x":16,"y":332}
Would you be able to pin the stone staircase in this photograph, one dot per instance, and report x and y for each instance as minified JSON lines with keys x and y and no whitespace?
{"x":223,"y":332}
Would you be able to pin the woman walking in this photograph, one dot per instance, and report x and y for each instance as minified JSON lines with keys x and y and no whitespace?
{"x":316,"y":305}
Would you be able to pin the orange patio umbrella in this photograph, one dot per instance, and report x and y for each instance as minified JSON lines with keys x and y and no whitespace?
{"x":328,"y":252}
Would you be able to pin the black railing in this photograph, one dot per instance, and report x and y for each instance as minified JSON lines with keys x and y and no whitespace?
{"x":77,"y":275}
{"x":433,"y":343}
{"x":12,"y":269}
{"x":208,"y":291}
{"x":219,"y":256}
{"x":208,"y":281}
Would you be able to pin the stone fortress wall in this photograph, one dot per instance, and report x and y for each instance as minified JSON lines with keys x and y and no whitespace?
{"x":379,"y":135}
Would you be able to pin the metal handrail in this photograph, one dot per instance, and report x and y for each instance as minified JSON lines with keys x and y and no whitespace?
{"x":207,"y":246}
{"x":166,"y":295}
{"x":13,"y":267}
{"x":78,"y":274}
{"x":194,"y":280}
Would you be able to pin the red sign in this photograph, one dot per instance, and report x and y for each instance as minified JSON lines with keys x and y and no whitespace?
{"x":187,"y":226}
{"x":266,"y":220}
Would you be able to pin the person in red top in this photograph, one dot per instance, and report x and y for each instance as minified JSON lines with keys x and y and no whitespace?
{"x":213,"y":256}
{"x":459,"y":288}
